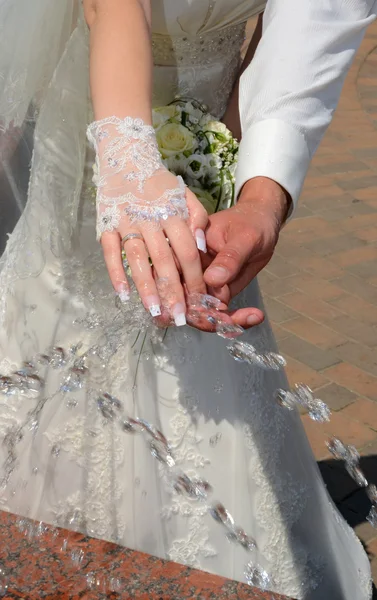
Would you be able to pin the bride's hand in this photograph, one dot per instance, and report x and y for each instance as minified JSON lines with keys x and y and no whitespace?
{"x":242,"y":239}
{"x":148,"y":211}
{"x":152,"y":244}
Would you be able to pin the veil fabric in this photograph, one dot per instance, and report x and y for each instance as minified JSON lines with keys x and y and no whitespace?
{"x":43,"y":115}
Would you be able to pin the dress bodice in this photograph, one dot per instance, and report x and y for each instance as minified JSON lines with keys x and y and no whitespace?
{"x":196,"y":48}
{"x":192,"y":17}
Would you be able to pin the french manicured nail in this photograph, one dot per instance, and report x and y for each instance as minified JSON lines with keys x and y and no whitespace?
{"x":123,"y":293}
{"x":179,"y":315}
{"x":218,"y":273}
{"x":201,"y":240}
{"x":253,"y":320}
{"x":153,"y":304}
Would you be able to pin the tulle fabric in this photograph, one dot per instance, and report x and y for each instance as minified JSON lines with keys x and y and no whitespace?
{"x":43,"y":114}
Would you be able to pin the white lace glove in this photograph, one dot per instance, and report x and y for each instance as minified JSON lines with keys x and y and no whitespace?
{"x":142,"y":205}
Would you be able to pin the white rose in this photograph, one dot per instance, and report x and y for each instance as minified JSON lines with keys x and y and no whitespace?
{"x":205,"y":198}
{"x":163,"y":114}
{"x":174,"y":139}
{"x":218,"y":127}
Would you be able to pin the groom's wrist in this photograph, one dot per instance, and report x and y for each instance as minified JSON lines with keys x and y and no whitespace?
{"x":268,"y":195}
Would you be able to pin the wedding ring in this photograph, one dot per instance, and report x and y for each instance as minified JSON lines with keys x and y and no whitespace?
{"x":132,"y":236}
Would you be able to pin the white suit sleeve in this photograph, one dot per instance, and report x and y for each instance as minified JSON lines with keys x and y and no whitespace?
{"x":289,"y":92}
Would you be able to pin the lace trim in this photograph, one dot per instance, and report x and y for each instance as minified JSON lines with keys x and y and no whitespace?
{"x":127,"y":159}
{"x":96,"y":449}
{"x":184,"y":443}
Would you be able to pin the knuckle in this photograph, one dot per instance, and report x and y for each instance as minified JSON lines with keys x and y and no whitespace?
{"x":162,"y":256}
{"x":191,"y":255}
{"x":133,"y":250}
{"x":231,"y":254}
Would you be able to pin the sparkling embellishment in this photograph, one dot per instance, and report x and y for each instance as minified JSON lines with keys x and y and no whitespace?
{"x":109,"y":406}
{"x":244,"y":352}
{"x":372,"y":493}
{"x":173,"y":50}
{"x":57,"y":358}
{"x":127,"y":158}
{"x":302,"y":395}
{"x":257,"y":577}
{"x":77,"y":557}
{"x":74,"y":380}
{"x":357,"y":475}
{"x":229,"y":330}
{"x":3,"y":581}
{"x":372,"y":517}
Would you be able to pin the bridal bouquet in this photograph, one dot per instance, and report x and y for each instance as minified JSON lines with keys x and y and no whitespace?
{"x":200,"y":149}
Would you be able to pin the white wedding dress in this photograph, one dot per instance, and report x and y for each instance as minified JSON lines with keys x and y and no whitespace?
{"x":73,"y":467}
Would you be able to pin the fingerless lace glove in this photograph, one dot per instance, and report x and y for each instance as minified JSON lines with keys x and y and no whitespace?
{"x":130,"y":177}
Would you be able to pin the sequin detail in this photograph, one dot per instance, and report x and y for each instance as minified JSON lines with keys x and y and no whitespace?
{"x":130,"y":177}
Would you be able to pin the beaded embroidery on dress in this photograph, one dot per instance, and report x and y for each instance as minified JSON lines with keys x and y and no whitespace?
{"x":73,"y":467}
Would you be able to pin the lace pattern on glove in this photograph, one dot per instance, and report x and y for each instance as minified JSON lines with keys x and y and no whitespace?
{"x":130,"y":177}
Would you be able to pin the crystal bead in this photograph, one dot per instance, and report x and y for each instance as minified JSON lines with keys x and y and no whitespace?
{"x":132,"y":426}
{"x":241,"y":351}
{"x":372,"y":493}
{"x":161,"y":452}
{"x":74,"y":380}
{"x":221,"y":515}
{"x":357,"y":475}
{"x":257,"y":577}
{"x":228,"y":330}
{"x":319,"y":411}
{"x":337,"y":448}
{"x":206,"y":301}
{"x":286,"y":399}
{"x":197,"y":489}
{"x":109,"y":406}
{"x":372,"y":517}
{"x":57,"y":358}
{"x":239,"y":536}
{"x":3,"y":580}
{"x":77,"y":557}
{"x":303,"y":393}
{"x":7,"y":386}
{"x":270,"y":360}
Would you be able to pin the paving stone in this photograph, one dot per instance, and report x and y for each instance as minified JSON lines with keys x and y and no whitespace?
{"x":354,"y":379}
{"x":314,"y":357}
{"x":325,"y":273}
{"x":336,"y":396}
{"x":354,"y":329}
{"x":315,"y":333}
{"x":357,"y":286}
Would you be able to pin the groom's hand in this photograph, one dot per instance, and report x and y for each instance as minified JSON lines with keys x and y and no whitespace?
{"x":242,"y":239}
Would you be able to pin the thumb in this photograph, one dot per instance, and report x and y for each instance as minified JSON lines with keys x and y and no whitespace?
{"x":228,"y":263}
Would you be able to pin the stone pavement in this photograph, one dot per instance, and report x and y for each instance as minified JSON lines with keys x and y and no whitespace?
{"x":321,"y":288}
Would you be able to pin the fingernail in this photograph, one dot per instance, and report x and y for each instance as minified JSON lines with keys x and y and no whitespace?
{"x":179,"y":315}
{"x":153,"y":305}
{"x":253,"y":320}
{"x":201,"y":240}
{"x":218,"y":273}
{"x":123,"y":293}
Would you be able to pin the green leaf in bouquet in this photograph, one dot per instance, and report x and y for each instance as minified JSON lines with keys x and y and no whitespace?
{"x":205,"y":198}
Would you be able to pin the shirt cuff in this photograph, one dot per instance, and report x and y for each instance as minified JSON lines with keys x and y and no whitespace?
{"x":273,"y":149}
